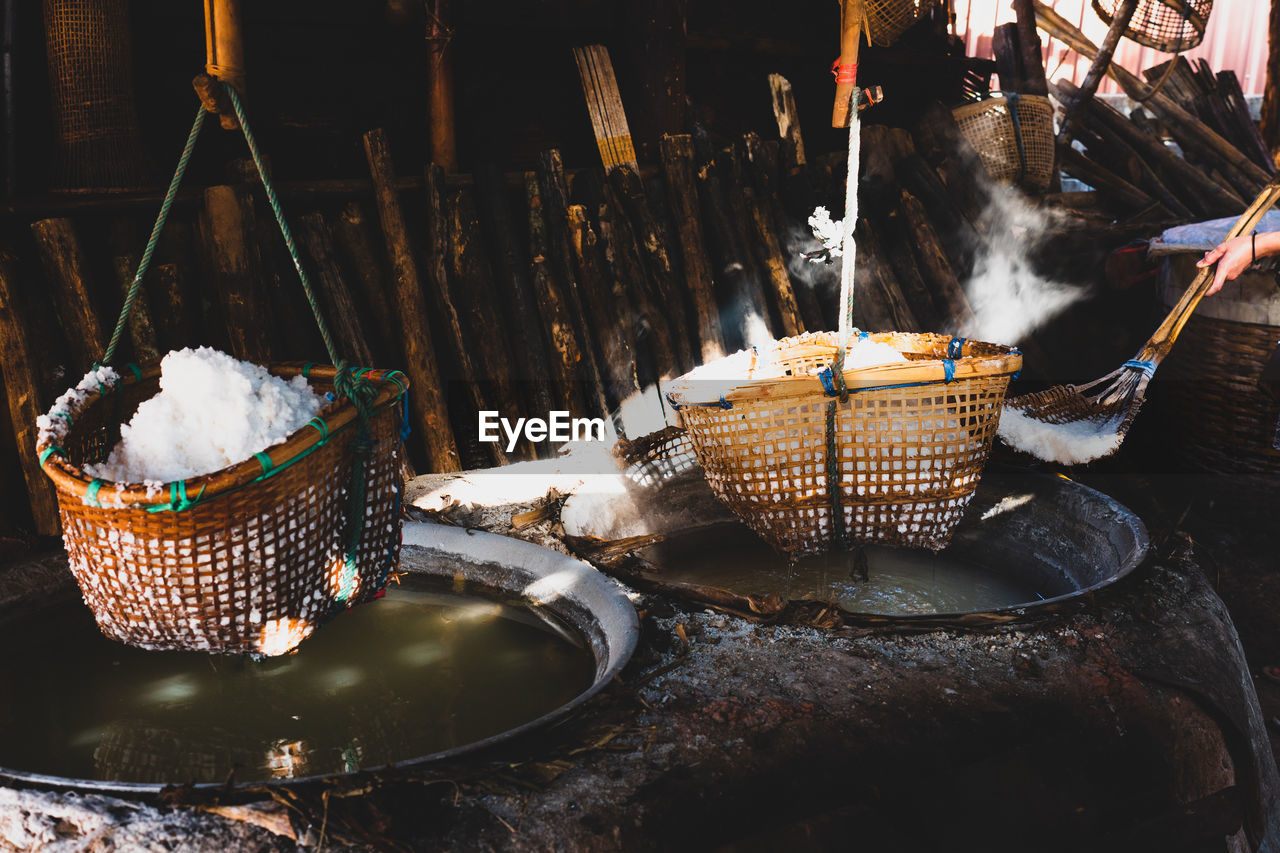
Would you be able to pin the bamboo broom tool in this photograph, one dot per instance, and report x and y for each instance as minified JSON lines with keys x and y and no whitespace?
{"x":1120,"y":393}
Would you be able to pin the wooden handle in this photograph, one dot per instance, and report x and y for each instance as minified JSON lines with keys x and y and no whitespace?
{"x":1162,"y":341}
{"x":224,"y":57}
{"x":853,"y":18}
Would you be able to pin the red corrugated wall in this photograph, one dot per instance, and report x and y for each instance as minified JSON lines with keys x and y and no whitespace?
{"x":1235,"y":39}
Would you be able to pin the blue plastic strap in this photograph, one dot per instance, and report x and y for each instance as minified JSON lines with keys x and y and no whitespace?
{"x":91,"y":493}
{"x":863,"y":335}
{"x":955,"y":347}
{"x":1146,"y":367}
{"x":133,"y":368}
{"x":1018,"y":372}
{"x":49,"y":451}
{"x":725,"y":404}
{"x":264,"y":459}
{"x":948,"y":369}
{"x":319,"y":426}
{"x":306,"y":369}
{"x":828,"y":384}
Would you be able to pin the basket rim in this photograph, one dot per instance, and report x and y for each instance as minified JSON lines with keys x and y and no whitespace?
{"x":966,"y":110}
{"x":927,"y":371}
{"x":71,"y":480}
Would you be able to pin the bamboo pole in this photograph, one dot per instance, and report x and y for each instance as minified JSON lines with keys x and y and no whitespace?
{"x":355,"y":244}
{"x":430,"y":410}
{"x":444,"y":143}
{"x":18,"y":362}
{"x":853,"y":18}
{"x":1101,"y":62}
{"x":343,"y":319}
{"x":224,"y":50}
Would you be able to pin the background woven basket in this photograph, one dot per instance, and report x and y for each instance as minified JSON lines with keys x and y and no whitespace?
{"x":909,"y":456}
{"x":658,"y":457}
{"x":1019,"y":152}
{"x":1221,"y":420}
{"x":256,"y":563}
{"x":887,"y":20}
{"x":96,"y":139}
{"x":1171,"y":26}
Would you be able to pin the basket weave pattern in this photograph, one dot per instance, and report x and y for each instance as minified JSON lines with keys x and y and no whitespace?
{"x":887,"y":20}
{"x":1021,"y":154}
{"x":255,"y":569}
{"x":909,"y":457}
{"x":1225,"y":423}
{"x":1170,"y":26}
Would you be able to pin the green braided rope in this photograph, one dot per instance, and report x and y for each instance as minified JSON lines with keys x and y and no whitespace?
{"x":161,"y":218}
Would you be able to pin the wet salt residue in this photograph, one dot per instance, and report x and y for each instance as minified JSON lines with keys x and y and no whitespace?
{"x":212,"y":411}
{"x":1072,"y":443}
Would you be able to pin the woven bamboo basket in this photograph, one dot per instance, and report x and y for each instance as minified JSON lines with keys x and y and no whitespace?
{"x":657,"y":458}
{"x":887,"y":20}
{"x":249,"y":559}
{"x":1013,"y":134}
{"x":1223,"y":423}
{"x":910,"y":442}
{"x":1170,"y":26}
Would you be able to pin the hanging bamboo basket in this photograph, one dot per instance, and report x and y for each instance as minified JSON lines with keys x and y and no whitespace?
{"x":1013,"y":134}
{"x":907,"y":447}
{"x":1170,"y":26}
{"x":249,"y":559}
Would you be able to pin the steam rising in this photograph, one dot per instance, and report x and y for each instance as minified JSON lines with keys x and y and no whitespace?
{"x":1010,"y":299}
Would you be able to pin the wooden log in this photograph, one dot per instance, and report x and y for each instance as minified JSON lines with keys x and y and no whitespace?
{"x":440,"y":226}
{"x":1270,"y":124}
{"x":762,"y":161}
{"x":1104,"y":180}
{"x":663,"y":288}
{"x":355,"y":246}
{"x":564,"y":352}
{"x":1121,"y":14}
{"x":949,"y":295}
{"x":738,"y":293}
{"x":655,"y":36}
{"x":652,"y":330}
{"x":897,"y":242}
{"x":960,"y":239}
{"x":124,"y":261}
{"x":430,"y":411}
{"x":1032,"y":65}
{"x":174,"y":283}
{"x":342,"y":318}
{"x":555,"y":200}
{"x":66,"y":271}
{"x":768,"y":253}
{"x":1192,"y":134}
{"x":1238,"y":112}
{"x":784,"y":112}
{"x":604,"y":103}
{"x":1194,"y":189}
{"x":939,"y":140}
{"x":277,"y":279}
{"x":898,"y":313}
{"x":1128,"y":164}
{"x":444,"y":143}
{"x":511,"y":265}
{"x":677,"y":165}
{"x":613,"y":337}
{"x":18,"y":360}
{"x":230,"y":243}
{"x":1008,"y":54}
{"x":475,"y":294}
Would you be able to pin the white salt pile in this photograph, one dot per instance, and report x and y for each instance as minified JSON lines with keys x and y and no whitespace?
{"x":1071,"y":443}
{"x":52,"y":427}
{"x":212,"y":411}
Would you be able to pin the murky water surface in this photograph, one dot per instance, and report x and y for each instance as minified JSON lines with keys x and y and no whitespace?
{"x":407,"y":675}
{"x":899,"y":581}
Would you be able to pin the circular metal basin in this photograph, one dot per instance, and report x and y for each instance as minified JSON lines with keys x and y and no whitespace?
{"x":1027,"y":541}
{"x":485,"y":565}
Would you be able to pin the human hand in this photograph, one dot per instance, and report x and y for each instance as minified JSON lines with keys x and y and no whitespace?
{"x":1232,"y":258}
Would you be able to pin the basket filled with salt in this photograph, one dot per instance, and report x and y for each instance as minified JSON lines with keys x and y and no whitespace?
{"x":891,"y":456}
{"x":241,"y":506}
{"x":217,"y":515}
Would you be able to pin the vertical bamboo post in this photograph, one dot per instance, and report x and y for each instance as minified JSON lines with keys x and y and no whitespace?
{"x":444,"y":143}
{"x":853,"y":16}
{"x":224,"y":48}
